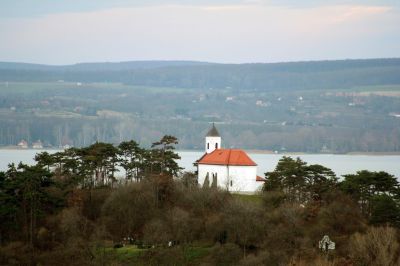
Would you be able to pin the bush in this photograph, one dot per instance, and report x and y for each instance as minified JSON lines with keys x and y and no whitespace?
{"x":228,"y":254}
{"x":384,"y":210}
{"x":378,"y":246}
{"x":118,"y":245}
{"x":164,"y":256}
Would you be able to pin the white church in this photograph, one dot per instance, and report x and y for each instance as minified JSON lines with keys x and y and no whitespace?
{"x":230,"y":169}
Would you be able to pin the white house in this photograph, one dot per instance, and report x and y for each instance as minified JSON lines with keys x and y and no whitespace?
{"x":230,"y":169}
{"x":23,"y":144}
{"x":37,"y":145}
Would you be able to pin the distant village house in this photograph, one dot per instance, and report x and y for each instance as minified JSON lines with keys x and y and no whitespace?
{"x":23,"y":144}
{"x":37,"y":145}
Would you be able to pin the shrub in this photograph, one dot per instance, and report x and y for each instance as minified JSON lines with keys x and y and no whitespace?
{"x":378,"y":246}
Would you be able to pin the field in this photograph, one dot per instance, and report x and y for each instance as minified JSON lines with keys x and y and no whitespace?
{"x":249,"y":198}
{"x":131,"y":254}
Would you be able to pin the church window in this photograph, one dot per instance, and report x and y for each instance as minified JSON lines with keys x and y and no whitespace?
{"x":208,"y":145}
{"x":216,"y":145}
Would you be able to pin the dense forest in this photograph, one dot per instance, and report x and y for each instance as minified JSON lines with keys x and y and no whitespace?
{"x":260,"y":77}
{"x":70,"y":209}
{"x":325,"y":106}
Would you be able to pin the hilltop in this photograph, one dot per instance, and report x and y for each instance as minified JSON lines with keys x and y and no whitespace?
{"x":190,"y":74}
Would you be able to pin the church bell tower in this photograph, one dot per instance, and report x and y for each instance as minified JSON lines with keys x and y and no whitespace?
{"x":213,"y":140}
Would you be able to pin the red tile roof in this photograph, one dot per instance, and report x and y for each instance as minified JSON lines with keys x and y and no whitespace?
{"x":227,"y":157}
{"x":260,"y":179}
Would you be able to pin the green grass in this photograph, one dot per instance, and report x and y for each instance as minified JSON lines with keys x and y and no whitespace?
{"x":196,"y":253}
{"x":131,"y":253}
{"x":376,"y":88}
{"x":34,"y":87}
{"x":254,"y":198}
{"x":126,"y":253}
{"x":357,"y":89}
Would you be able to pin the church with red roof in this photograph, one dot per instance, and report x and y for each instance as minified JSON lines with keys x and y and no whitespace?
{"x":230,"y":169}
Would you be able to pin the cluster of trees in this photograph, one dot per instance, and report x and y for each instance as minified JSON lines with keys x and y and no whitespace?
{"x":97,"y":164}
{"x":67,"y":209}
{"x":294,"y":181}
{"x":44,"y":186}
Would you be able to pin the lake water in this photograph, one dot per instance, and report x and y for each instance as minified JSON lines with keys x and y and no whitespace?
{"x":340,"y":164}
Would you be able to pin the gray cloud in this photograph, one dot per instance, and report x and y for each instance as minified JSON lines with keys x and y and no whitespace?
{"x":244,"y":32}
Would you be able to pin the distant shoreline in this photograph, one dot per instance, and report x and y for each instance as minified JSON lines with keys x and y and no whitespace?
{"x":374,"y":153}
{"x":324,"y":153}
{"x":15,"y":148}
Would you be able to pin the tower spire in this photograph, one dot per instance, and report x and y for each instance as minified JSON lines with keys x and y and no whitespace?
{"x":213,"y":140}
{"x":213,"y":132}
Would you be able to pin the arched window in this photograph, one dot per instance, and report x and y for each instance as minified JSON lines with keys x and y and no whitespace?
{"x":216,"y":145}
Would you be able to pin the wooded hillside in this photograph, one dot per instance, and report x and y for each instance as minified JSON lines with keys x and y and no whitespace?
{"x":70,"y":205}
{"x":255,"y":77}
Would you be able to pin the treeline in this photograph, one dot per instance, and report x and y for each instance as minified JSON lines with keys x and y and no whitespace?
{"x":254,"y":77}
{"x":68,"y":209}
{"x":56,"y":132}
{"x":294,"y":181}
{"x":98,"y":164}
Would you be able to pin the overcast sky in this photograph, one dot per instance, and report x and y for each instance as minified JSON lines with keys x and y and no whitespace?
{"x":236,"y":31}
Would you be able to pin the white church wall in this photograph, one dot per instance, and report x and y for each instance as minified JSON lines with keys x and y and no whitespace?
{"x":244,"y":179}
{"x":220,"y":170}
